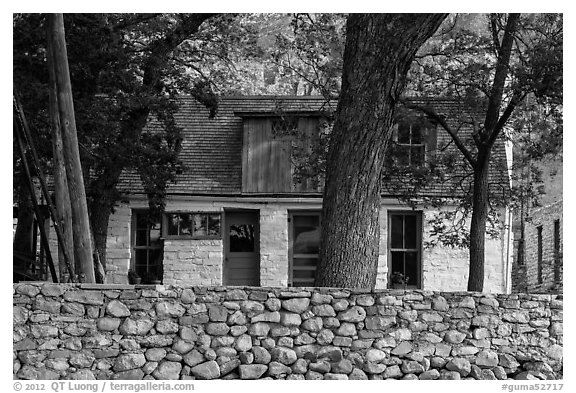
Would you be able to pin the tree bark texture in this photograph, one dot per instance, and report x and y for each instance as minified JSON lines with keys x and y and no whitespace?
{"x":478,"y":222}
{"x":79,"y":208}
{"x":378,"y":53}
{"x":61,"y":195}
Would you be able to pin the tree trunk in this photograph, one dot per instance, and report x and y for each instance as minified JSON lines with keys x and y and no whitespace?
{"x":478,"y":222}
{"x":62,"y":197}
{"x":378,"y":53}
{"x":80,"y":223}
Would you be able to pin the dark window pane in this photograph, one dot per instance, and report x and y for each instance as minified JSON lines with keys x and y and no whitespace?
{"x":141,"y":237}
{"x":411,"y":267}
{"x":300,"y":274}
{"x":417,"y":155}
{"x":397,"y":231}
{"x":397,"y":262}
{"x":185,"y":225}
{"x":141,"y":258}
{"x":200,"y":225}
{"x":403,"y":132}
{"x":172,"y":221}
{"x":214,"y":224}
{"x":306,"y":234}
{"x":308,"y":262}
{"x":242,"y":238}
{"x":141,"y":220}
{"x":416,"y":133}
{"x":410,"y":232}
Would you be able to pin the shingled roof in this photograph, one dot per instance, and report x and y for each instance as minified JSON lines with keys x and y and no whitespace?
{"x":212,"y":147}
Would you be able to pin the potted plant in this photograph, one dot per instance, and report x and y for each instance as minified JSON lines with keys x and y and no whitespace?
{"x":399,"y":280}
{"x":133,"y":277}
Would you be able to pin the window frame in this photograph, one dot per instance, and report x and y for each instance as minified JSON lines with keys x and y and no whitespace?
{"x":540,"y":253}
{"x":291,"y":255}
{"x":148,"y":246}
{"x":557,"y":254}
{"x":417,"y":249}
{"x":192,"y":236}
{"x":427,"y":128}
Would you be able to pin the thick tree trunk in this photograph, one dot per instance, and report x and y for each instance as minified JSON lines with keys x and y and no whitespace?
{"x":478,"y":222}
{"x":378,"y":53}
{"x":80,"y":223}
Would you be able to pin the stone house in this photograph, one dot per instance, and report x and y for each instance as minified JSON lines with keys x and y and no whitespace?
{"x":239,"y":215}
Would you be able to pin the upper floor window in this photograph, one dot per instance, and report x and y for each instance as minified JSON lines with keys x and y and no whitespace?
{"x":414,"y":140}
{"x":193,"y":225}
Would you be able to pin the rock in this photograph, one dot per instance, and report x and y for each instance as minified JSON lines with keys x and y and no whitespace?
{"x":237,"y":318}
{"x":313,"y":375}
{"x":325,"y":337}
{"x":344,"y":366}
{"x":449,"y":375}
{"x":73,"y":309}
{"x":236,"y":331}
{"x":500,"y":373}
{"x":374,"y":368}
{"x":272,"y":316}
{"x":193,"y":358}
{"x":261,"y":355}
{"x":392,"y":372}
{"x":229,"y":366}
{"x":454,"y":337}
{"x":187,"y":296}
{"x":108,"y":324}
{"x":135,"y":374}
{"x":168,"y":370}
{"x":296,"y":305}
{"x":283,"y":355}
{"x":334,"y":354}
{"x":379,"y":323}
{"x":467,"y":302}
{"x":251,"y":308}
{"x":259,"y":329}
{"x":304,"y":339}
{"x":155,"y":354}
{"x":403,"y":348}
{"x":440,"y":304}
{"x":555,"y":352}
{"x":279,"y":331}
{"x":290,"y":319}
{"x":83,"y":374}
{"x":429,"y":317}
{"x":50,"y":306}
{"x":31,"y":357}
{"x":222,"y":341}
{"x":166,"y":309}
{"x":346,"y":329}
{"x":475,"y":372}
{"x":529,"y":375}
{"x":217,"y":329}
{"x":273,"y":304}
{"x":276,"y":370}
{"x":19,"y":315}
{"x":438,"y":362}
{"x":117,"y":309}
{"x":300,"y":366}
{"x":412,"y":367}
{"x":138,"y":327}
{"x":52,"y":290}
{"x":323,"y":310}
{"x":375,"y":355}
{"x":28,"y":290}
{"x":460,"y":365}
{"x":44,"y":331}
{"x":252,"y":371}
{"x":243,"y":343}
{"x":508,"y":361}
{"x":207,"y":370}
{"x":95,"y":298}
{"x":358,"y":374}
{"x":465,"y":350}
{"x":330,"y":376}
{"x":340,"y":341}
{"x":321,"y":366}
{"x":217,"y":313}
{"x":401,"y":334}
{"x":488,"y":375}
{"x":361,"y":344}
{"x":487,"y":358}
{"x":312,"y":324}
{"x":516,"y":317}
{"x":430,"y":374}
{"x":130,"y":361}
{"x":319,"y":298}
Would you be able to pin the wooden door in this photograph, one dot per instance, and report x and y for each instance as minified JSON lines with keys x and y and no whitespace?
{"x":242,"y":249}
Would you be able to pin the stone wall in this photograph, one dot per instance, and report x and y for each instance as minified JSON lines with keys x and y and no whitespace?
{"x":544,"y":217}
{"x":154,"y":332}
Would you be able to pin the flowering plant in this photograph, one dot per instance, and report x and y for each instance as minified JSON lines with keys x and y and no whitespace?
{"x":399,"y":278}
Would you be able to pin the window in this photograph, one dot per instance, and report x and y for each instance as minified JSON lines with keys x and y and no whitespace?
{"x":557,"y":258}
{"x":404,"y":239}
{"x":414,"y":136}
{"x":539,"y":230}
{"x":147,"y":247}
{"x":305,"y":244}
{"x":286,"y":126}
{"x":193,"y":225}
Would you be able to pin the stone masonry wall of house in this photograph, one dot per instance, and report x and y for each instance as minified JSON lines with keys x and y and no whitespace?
{"x":544,"y":217}
{"x":81,"y":331}
{"x":199,"y":262}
